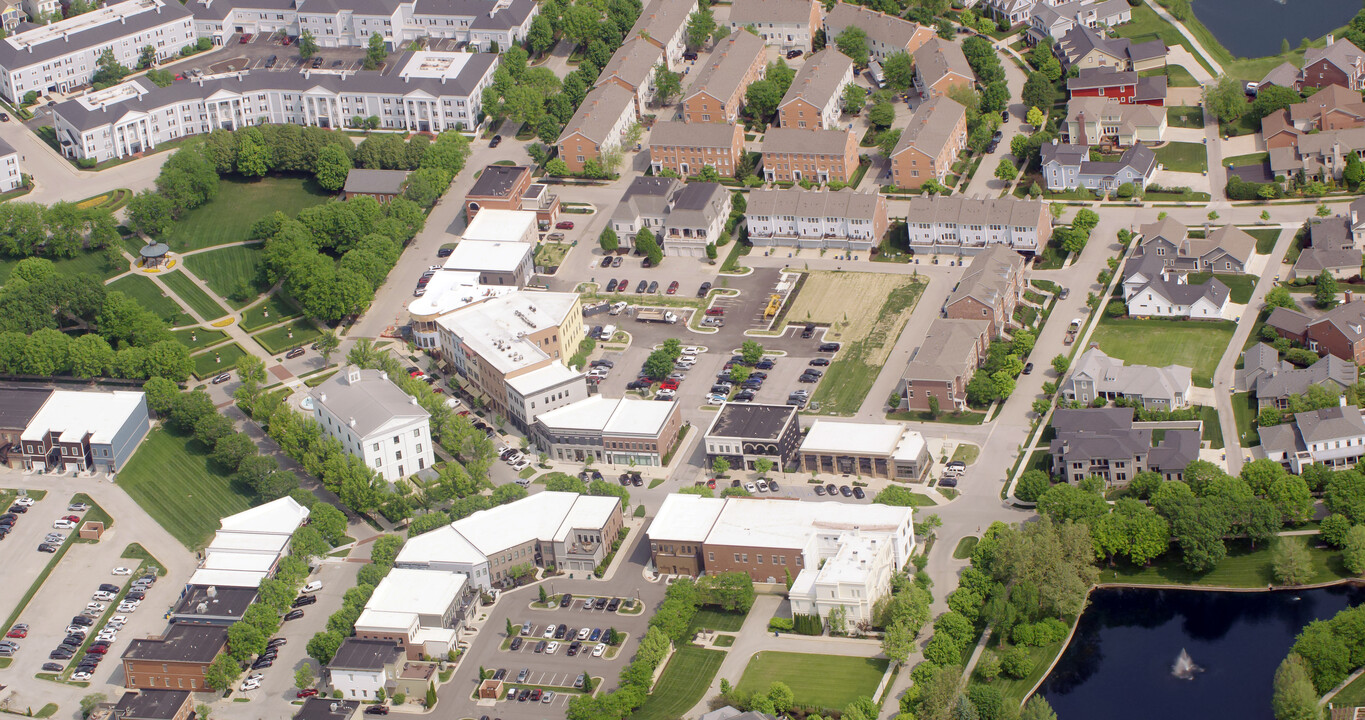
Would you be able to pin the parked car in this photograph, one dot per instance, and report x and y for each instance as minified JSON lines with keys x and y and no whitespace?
{"x":793,"y":54}
{"x":673,"y":287}
{"x":564,"y":225}
{"x":293,"y":615}
{"x":641,"y":287}
{"x":705,"y":287}
{"x":829,"y":347}
{"x":296,"y":352}
{"x":819,"y":362}
{"x":496,"y":141}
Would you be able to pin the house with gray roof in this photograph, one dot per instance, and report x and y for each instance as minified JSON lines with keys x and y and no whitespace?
{"x":1151,"y":290}
{"x":382,"y":185}
{"x":930,"y":143}
{"x":819,"y":218}
{"x":1225,"y":249}
{"x":598,"y":126}
{"x":1339,"y":331}
{"x":886,"y":34}
{"x":1340,"y":62}
{"x":967,"y":225}
{"x":786,"y":24}
{"x":1096,"y":375}
{"x":815,"y":97}
{"x":416,"y":91}
{"x":375,"y":420}
{"x":1283,"y":75}
{"x":717,"y":93}
{"x":940,"y":66}
{"x":1086,"y":47}
{"x":684,"y":218}
{"x":1333,"y":436}
{"x":1068,"y":167}
{"x":1106,"y":443}
{"x":942,"y":365}
{"x":1273,"y":381}
{"x":632,"y":67}
{"x":1057,"y":19}
{"x":664,"y":23}
{"x":1339,"y":263}
{"x":990,"y":289}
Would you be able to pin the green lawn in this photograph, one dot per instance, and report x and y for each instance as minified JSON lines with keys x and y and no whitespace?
{"x":142,"y":289}
{"x":1147,"y":25}
{"x":1248,"y":159}
{"x":94,"y":263}
{"x":849,"y":378}
{"x":1196,"y":344}
{"x":1185,"y":116}
{"x":717,"y":620}
{"x":229,"y":216}
{"x":1244,"y":411}
{"x":277,"y":340}
{"x":966,"y":417}
{"x":551,"y":254}
{"x":1178,"y":76}
{"x":202,"y":337}
{"x":227,"y":269}
{"x":1352,"y":695}
{"x":966,"y":453}
{"x":275,"y":309}
{"x":827,"y":681}
{"x":1040,"y":659}
{"x":172,"y":479}
{"x":1240,"y":287}
{"x":1183,"y":157}
{"x":682,"y":684}
{"x":193,"y":295}
{"x":205,"y":366}
{"x":1265,"y":239}
{"x":1243,"y":567}
{"x":1213,"y":432}
{"x":965,"y":547}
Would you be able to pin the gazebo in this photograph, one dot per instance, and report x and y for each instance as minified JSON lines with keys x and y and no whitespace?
{"x":153,"y":255}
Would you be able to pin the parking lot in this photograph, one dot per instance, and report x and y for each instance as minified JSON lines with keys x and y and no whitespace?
{"x":235,"y":56}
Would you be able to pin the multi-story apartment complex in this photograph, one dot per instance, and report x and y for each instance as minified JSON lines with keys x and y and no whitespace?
{"x":792,"y":154}
{"x":1103,"y":442}
{"x":485,"y":24}
{"x":418,"y":91}
{"x":11,"y":173}
{"x":614,"y":431}
{"x":684,"y":218}
{"x":943,"y":364}
{"x":493,"y":341}
{"x":744,"y":433}
{"x":178,"y":660}
{"x":598,"y":126}
{"x":835,"y":220}
{"x":632,"y":67}
{"x":664,"y":23}
{"x":787,"y":24}
{"x":951,"y":223}
{"x":886,"y":34}
{"x":718,"y":92}
{"x":816,"y":95}
{"x":376,"y":421}
{"x":63,"y":55}
{"x":688,"y":148}
{"x":569,"y":531}
{"x":930,"y":144}
{"x":941,"y":66}
{"x":990,"y":289}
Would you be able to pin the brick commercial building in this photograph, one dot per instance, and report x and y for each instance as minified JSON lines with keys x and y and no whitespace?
{"x":509,"y":187}
{"x":816,"y":96}
{"x":990,"y":289}
{"x":930,"y":144}
{"x":876,"y":450}
{"x":688,"y":148}
{"x":831,"y":554}
{"x":718,"y":92}
{"x":786,"y":24}
{"x":615,"y":431}
{"x":175,"y":661}
{"x":940,"y":368}
{"x":745,"y":432}
{"x":154,"y":705}
{"x":791,"y":155}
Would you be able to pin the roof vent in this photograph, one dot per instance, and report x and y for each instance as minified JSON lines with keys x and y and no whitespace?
{"x":350,"y":423}
{"x":201,"y":608}
{"x":212,"y":591}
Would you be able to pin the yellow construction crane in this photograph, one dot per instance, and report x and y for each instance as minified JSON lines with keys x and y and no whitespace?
{"x":774,"y":303}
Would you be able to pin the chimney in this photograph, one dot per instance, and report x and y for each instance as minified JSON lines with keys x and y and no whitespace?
{"x":1348,"y":297}
{"x":1331,"y":38}
{"x":322,"y":397}
{"x":350,"y":423}
{"x":212,"y":591}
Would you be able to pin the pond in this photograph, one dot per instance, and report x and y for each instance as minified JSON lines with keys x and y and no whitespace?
{"x":1118,"y":665}
{"x":1255,"y":28}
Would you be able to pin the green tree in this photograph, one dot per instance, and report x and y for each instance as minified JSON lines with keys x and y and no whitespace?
{"x":1294,"y":695}
{"x":1037,"y":708}
{"x":649,"y":247}
{"x":1035,"y":117}
{"x":763,"y":466}
{"x":375,"y":51}
{"x":1290,"y":562}
{"x":1225,"y":100}
{"x":327,"y":344}
{"x":781,"y":696}
{"x":244,"y":641}
{"x":541,"y":36}
{"x":898,"y":641}
{"x":1353,"y":550}
{"x":761,"y":99}
{"x":1061,"y":363}
{"x":1325,"y":291}
{"x":1005,"y":171}
{"x":1032,"y":485}
{"x":899,"y":71}
{"x":90,"y":702}
{"x":854,"y":99}
{"x":333,"y":165}
{"x":608,"y":240}
{"x":1038,"y":91}
{"x":853,"y":43}
{"x":1280,"y":297}
{"x":882,"y":114}
{"x":222,"y":673}
{"x":751,"y":351}
{"x":252,"y":157}
{"x":720,"y":466}
{"x":308,"y":45}
{"x":1335,"y":529}
{"x":701,"y":27}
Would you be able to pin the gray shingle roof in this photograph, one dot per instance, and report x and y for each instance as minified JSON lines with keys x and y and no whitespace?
{"x":946,"y":346}
{"x":814,"y":203}
{"x":977,"y":211}
{"x":1348,"y":319}
{"x":698,"y":134}
{"x":1330,"y":423}
{"x":1097,"y":77}
{"x":753,"y":12}
{"x":729,"y":63}
{"x":1283,"y":382}
{"x":886,"y":29}
{"x":599,"y":111}
{"x":379,"y":182}
{"x":13,"y":55}
{"x":1313,"y":261}
{"x":1111,"y":375}
{"x":633,"y":63}
{"x":1342,"y":53}
{"x":800,"y":140}
{"x":931,"y":127}
{"x":819,"y":78}
{"x":662,"y":19}
{"x":987,"y":277}
{"x":1289,"y":321}
{"x":646,"y":196}
{"x":939,"y":58}
{"x":371,"y":401}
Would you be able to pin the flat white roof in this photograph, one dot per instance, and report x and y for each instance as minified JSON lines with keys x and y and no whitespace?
{"x":588,"y":512}
{"x":271,"y":544}
{"x":501,"y":225}
{"x":227,"y":578}
{"x":383,"y":621}
{"x":614,"y":416}
{"x":428,"y":592}
{"x":685,"y":517}
{"x":545,"y":516}
{"x":227,"y":560}
{"x":497,"y":329}
{"x":590,"y":413}
{"x":451,"y":290}
{"x":852,"y":438}
{"x":909,"y":447}
{"x":76,"y":413}
{"x":443,"y":544}
{"x":439,"y":65}
{"x":547,"y":377}
{"x":489,"y":255}
{"x":282,"y":516}
{"x":764,"y":522}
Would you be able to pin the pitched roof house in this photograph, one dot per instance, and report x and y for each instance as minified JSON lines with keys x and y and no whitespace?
{"x":1339,"y":331}
{"x":684,"y":218}
{"x":930,"y":143}
{"x":632,"y":67}
{"x":794,"y":217}
{"x":787,"y":24}
{"x":718,"y":92}
{"x":1067,"y":167}
{"x":1339,"y":63}
{"x":1096,"y":375}
{"x":1333,"y":436}
{"x":951,"y":351}
{"x":886,"y":34}
{"x":941,"y":66}
{"x":688,"y":148}
{"x":1273,"y":380}
{"x":1225,"y":249}
{"x":1126,"y":86}
{"x":1096,"y":121}
{"x":1331,"y":108}
{"x":791,"y":154}
{"x":1103,"y":442}
{"x":664,"y":23}
{"x":598,"y":126}
{"x":990,"y":289}
{"x":1057,"y":19}
{"x":815,"y":97}
{"x":1086,"y":47}
{"x":1150,"y":290}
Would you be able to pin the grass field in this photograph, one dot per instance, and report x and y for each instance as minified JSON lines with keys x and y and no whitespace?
{"x":205,"y":366}
{"x":1352,"y":695}
{"x":682,"y":683}
{"x":966,"y":453}
{"x":93,"y":263}
{"x":1265,"y":239}
{"x":1147,"y":25}
{"x":1240,"y":287}
{"x":1244,"y":411}
{"x":551,"y":254}
{"x":1213,"y":432}
{"x":277,"y":340}
{"x":827,"y":681}
{"x":226,"y":269}
{"x":1243,"y":567}
{"x":1178,"y":76}
{"x":203,"y":337}
{"x":842,"y":301}
{"x":1039,"y":660}
{"x":142,"y":289}
{"x":1248,"y":159}
{"x":965,"y":547}
{"x":1183,"y":157}
{"x":717,"y":620}
{"x":278,"y":309}
{"x":172,"y":479}
{"x":229,"y":216}
{"x":1193,"y":343}
{"x":1185,"y":116}
{"x":193,"y":295}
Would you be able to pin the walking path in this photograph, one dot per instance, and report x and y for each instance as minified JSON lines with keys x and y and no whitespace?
{"x":1194,"y":41}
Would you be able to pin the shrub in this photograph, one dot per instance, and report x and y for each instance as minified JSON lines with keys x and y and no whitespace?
{"x":1014,"y":663}
{"x":780,"y":624}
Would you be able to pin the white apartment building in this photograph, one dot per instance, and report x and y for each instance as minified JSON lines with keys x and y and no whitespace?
{"x":549,"y":388}
{"x":664,"y":23}
{"x":950,"y":223}
{"x":11,"y":175}
{"x":793,"y":217}
{"x":375,"y":421}
{"x":418,"y":91}
{"x":62,"y":56}
{"x":350,"y":23}
{"x":788,"y":24}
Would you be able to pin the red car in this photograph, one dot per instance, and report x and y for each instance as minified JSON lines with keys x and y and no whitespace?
{"x":564,"y":225}
{"x":72,"y":518}
{"x":97,"y":650}
{"x":715,"y":311}
{"x":246,"y":38}
{"x":309,"y":692}
{"x":669,"y":385}
{"x":17,"y":633}
{"x":673,"y":287}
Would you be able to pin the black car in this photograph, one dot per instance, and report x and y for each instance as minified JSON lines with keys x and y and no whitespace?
{"x":82,"y":620}
{"x":611,"y":285}
{"x":305,"y":600}
{"x":296,"y":352}
{"x":990,"y":148}
{"x":317,"y":63}
{"x":690,"y":56}
{"x":846,"y":491}
{"x":793,"y":54}
{"x":496,"y":141}
{"x":828,"y":347}
{"x":613,"y":604}
{"x":18,"y":509}
{"x":565,"y":600}
{"x":809,"y":330}
{"x":638,"y":385}
{"x":106,"y":587}
{"x":654,"y":286}
{"x":808,"y":379}
{"x":606,"y":262}
{"x":636,"y":480}
{"x":820,"y":490}
{"x":947,"y":482}
{"x":858,"y":493}
{"x":831,"y":488}
{"x":1028,"y":368}
{"x":293,"y":615}
{"x":561,"y":631}
{"x":820,"y":362}
{"x":812,"y":371}
{"x":60,"y":654}
{"x":574,"y":647}
{"x":136,"y":595}
{"x":1004,"y":116}
{"x":384,"y":709}
{"x":641,"y":287}
{"x":765,"y":364}
{"x":516,"y":643}
{"x":540,"y":646}
{"x":47,"y":548}
{"x":773,"y":486}
{"x":53,"y":667}
{"x":744,"y":396}
{"x":262,"y":664}
{"x":701,"y":292}
{"x":270,"y":61}
{"x":500,"y":674}
{"x":445,"y":252}
{"x":602,"y":363}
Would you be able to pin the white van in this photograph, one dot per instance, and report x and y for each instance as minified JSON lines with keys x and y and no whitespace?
{"x":607,"y":332}
{"x":691,"y":350}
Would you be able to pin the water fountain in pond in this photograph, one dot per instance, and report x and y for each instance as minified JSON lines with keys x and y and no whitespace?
{"x":1184,"y":668}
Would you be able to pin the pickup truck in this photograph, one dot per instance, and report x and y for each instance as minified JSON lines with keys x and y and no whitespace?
{"x":658,"y":316}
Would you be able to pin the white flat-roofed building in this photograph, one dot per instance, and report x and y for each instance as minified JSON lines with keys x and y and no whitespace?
{"x":375,"y":421}
{"x":277,"y":517}
{"x":249,"y":545}
{"x":615,"y":431}
{"x":80,"y":431}
{"x":228,"y":560}
{"x":227,"y":578}
{"x":882,"y":450}
{"x":422,"y":610}
{"x":447,"y":292}
{"x":136,"y":116}
{"x":543,"y":390}
{"x":62,"y":56}
{"x":833,"y":554}
{"x":270,"y":544}
{"x":497,"y":225}
{"x":570,"y":531}
{"x":499,"y":263}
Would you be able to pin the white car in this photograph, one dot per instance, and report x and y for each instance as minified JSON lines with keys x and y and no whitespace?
{"x":665,"y":395}
{"x":691,"y":350}
{"x":549,"y":632}
{"x":81,"y":676}
{"x":515,"y":458}
{"x":24,"y":501}
{"x":762,"y":485}
{"x":64,"y":525}
{"x":77,"y":630}
{"x":117,"y":621}
{"x":121,"y":571}
{"x":599,"y":649}
{"x":127,"y":608}
{"x":102,"y":596}
{"x":255,"y":677}
{"x":312,"y":587}
{"x":107,"y":637}
{"x":96,"y":607}
{"x":584,"y":633}
{"x":715,"y":400}
{"x":521,"y":464}
{"x":250,"y":685}
{"x":551,"y":648}
{"x":751,"y":487}
{"x":549,"y":696}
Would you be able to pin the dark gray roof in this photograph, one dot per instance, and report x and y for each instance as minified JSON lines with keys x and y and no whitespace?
{"x":752,"y":12}
{"x":819,"y":78}
{"x":18,"y":405}
{"x":931,"y":127}
{"x":181,"y":643}
{"x":1097,"y":77}
{"x":1331,"y":233}
{"x":386,"y":81}
{"x":1185,"y":293}
{"x":497,"y":180}
{"x":1348,"y":319}
{"x":321,"y":708}
{"x":151,"y":704}
{"x":938,"y":59}
{"x":1330,"y":369}
{"x":800,"y":140}
{"x":1341,"y":53}
{"x":1290,"y":321}
{"x":1109,"y":433}
{"x":379,"y":182}
{"x":225,"y":602}
{"x":12,"y":57}
{"x":6,"y":148}
{"x":988,"y":276}
{"x":697,"y":195}
{"x":1314,"y":260}
{"x":356,"y":654}
{"x":1064,"y":154}
{"x":1330,"y":423}
{"x":730,"y":62}
{"x":697,"y":134}
{"x":749,"y":421}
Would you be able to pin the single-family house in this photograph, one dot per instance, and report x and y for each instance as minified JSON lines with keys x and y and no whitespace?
{"x":1333,"y":436}
{"x":717,"y":93}
{"x":815,"y":97}
{"x":1055,"y":20}
{"x":941,"y":66}
{"x":1317,"y":155}
{"x":1340,"y":263}
{"x":1096,"y":375}
{"x":1068,"y":167}
{"x":1126,"y":86}
{"x":1100,"y":121}
{"x":1274,"y":381}
{"x":1225,"y":249}
{"x":1339,"y":331}
{"x":1330,"y":108}
{"x":1339,"y":63}
{"x":1150,"y":290}
{"x":930,"y":143}
{"x":1103,"y":442}
{"x":382,"y":185}
{"x":1085,"y":47}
